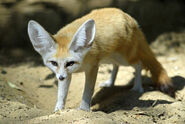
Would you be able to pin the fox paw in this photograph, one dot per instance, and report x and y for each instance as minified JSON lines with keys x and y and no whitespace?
{"x":84,"y":108}
{"x":107,"y":83}
{"x":138,"y":89}
{"x":58,"y":107}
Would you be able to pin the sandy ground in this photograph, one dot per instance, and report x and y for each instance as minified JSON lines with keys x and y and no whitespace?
{"x":28,"y":91}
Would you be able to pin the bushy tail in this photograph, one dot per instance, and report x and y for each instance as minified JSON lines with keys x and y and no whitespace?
{"x":159,"y":74}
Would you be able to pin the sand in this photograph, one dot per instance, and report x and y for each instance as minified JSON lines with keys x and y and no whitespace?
{"x":28,"y":91}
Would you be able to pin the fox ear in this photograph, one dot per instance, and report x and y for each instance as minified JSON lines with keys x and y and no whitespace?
{"x":42,"y":42}
{"x":83,"y":38}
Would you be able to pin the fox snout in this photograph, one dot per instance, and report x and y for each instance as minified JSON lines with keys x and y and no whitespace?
{"x":61,"y":78}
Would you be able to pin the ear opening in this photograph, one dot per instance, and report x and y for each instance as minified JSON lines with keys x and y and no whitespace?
{"x":84,"y":36}
{"x":41,"y":40}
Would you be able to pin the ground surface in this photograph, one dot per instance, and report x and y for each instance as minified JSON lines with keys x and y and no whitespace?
{"x":28,"y":91}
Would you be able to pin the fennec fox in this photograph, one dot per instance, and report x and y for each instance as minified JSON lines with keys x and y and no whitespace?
{"x":103,"y":36}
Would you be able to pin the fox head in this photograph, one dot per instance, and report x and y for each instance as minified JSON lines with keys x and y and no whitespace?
{"x":78,"y":47}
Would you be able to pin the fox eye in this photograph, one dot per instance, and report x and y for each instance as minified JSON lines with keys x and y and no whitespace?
{"x":70,"y":63}
{"x":54,"y":63}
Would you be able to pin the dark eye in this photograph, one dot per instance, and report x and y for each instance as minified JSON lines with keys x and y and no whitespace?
{"x":70,"y":63}
{"x":54,"y":63}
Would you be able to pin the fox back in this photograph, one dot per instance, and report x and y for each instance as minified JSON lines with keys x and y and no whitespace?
{"x":114,"y":34}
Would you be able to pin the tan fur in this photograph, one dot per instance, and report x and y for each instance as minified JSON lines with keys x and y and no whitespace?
{"x":116,"y":32}
{"x":62,"y":48}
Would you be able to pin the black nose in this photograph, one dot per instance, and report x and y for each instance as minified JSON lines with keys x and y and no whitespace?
{"x":61,"y":78}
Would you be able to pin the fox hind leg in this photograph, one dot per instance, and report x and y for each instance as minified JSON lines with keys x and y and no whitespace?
{"x":111,"y":80}
{"x":137,"y":82}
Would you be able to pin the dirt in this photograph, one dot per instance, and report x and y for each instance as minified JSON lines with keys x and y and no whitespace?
{"x":28,"y":91}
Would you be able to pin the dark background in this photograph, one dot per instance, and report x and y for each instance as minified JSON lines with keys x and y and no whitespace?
{"x":154,"y":16}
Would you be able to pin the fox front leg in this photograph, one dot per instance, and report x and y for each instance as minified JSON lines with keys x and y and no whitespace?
{"x":63,"y":87}
{"x":90,"y":79}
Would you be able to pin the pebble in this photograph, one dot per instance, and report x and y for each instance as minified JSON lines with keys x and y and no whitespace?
{"x":176,"y":67}
{"x":172,"y":59}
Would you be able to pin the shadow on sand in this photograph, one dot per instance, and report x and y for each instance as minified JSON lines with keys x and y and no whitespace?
{"x":122,"y":98}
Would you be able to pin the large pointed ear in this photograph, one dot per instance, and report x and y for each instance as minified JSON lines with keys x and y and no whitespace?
{"x":83,"y":38}
{"x":42,"y":42}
